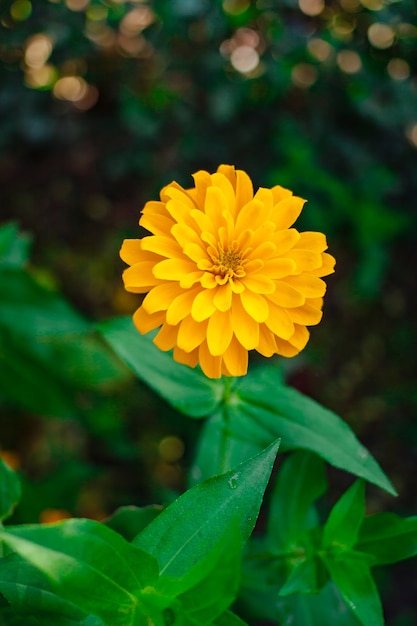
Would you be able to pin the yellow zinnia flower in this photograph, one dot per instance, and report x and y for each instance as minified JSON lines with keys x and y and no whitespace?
{"x":224,"y":273}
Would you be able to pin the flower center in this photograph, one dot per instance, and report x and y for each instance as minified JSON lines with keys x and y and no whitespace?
{"x":227,"y":264}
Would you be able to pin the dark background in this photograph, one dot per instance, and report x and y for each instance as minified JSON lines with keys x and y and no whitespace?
{"x":104,"y":102}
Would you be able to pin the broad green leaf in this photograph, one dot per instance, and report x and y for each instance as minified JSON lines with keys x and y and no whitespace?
{"x":29,"y":592}
{"x":305,"y":577}
{"x":190,"y":527}
{"x":129,"y":521}
{"x":186,"y":389}
{"x":259,"y":600}
{"x":259,"y":413}
{"x":352,"y":575}
{"x":211,"y":585}
{"x":48,"y":349}
{"x":14,"y":246}
{"x":9,"y":490}
{"x":87,"y":564}
{"x":345,"y":519}
{"x":229,"y":619}
{"x":300,"y":481}
{"x":388,"y":537}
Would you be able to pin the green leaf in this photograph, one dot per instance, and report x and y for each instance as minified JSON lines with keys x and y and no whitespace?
{"x":388,"y":537}
{"x":186,"y":389}
{"x":190,"y":527}
{"x":48,"y":349}
{"x":29,"y":592}
{"x":218,"y":450}
{"x":89,"y":565}
{"x":352,"y":575}
{"x":9,"y":490}
{"x":211,"y":585}
{"x":259,"y":600}
{"x":257,"y":413}
{"x":129,"y":521}
{"x":14,"y":246}
{"x":305,"y":577}
{"x":229,"y":619}
{"x":345,"y":519}
{"x":300,"y":481}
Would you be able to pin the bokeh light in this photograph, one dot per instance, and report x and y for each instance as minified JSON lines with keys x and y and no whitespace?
{"x":319,"y":49}
{"x":398,"y":69}
{"x":304,"y":75}
{"x":311,"y":7}
{"x":244,"y":59}
{"x":349,"y":61}
{"x":71,"y":88}
{"x":381,"y":35}
{"x":38,"y":50}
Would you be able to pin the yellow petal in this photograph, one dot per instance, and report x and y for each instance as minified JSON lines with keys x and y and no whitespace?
{"x":219,"y":332}
{"x":255,"y":305}
{"x":250,"y":217}
{"x":191,"y":334}
{"x":311,"y":286}
{"x":223,"y":297}
{"x":265,"y":196}
{"x":186,"y":358}
{"x":279,"y":321}
{"x":202,"y":180}
{"x":236,"y":359}
{"x":229,"y":172}
{"x":285,"y":348}
{"x":211,"y":365}
{"x":227,"y":188}
{"x":173,"y":269}
{"x":202,"y":222}
{"x":187,"y":281}
{"x":195,"y":251}
{"x":316,"y":303}
{"x":166,"y":339}
{"x":286,"y":296}
{"x":267,"y":343}
{"x":181,"y":306}
{"x":185,"y":234}
{"x":266,"y":250}
{"x":203,"y":305}
{"x":130,"y":252}
{"x":139,"y":278}
{"x":208,"y":280}
{"x":306,"y":315}
{"x":156,"y":219}
{"x":305,"y":260}
{"x":245,"y":328}
{"x":284,"y":240}
{"x":180,"y":211}
{"x":286,"y":212}
{"x":160,"y":297}
{"x":214,"y":207}
{"x":145,"y":322}
{"x":164,"y":246}
{"x":328,"y":265}
{"x":258,"y":283}
{"x":243,"y":189}
{"x":175,"y":192}
{"x":310,"y":240}
{"x":300,"y":337}
{"x":280,"y":193}
{"x":278,"y":268}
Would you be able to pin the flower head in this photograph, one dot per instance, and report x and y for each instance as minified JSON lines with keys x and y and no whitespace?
{"x":224,"y":273}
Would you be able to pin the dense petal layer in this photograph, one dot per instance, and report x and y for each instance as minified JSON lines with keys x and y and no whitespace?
{"x":225,"y":273}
